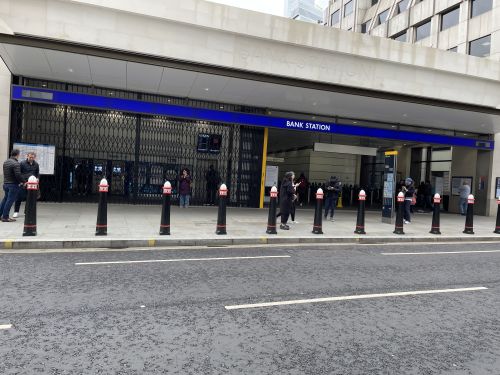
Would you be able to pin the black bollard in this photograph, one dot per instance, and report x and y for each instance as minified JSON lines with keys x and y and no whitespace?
{"x":271,"y":220}
{"x":469,"y":218}
{"x":221,"y":215}
{"x":497,"y":226}
{"x":435,"y":226}
{"x":30,"y":217}
{"x":398,"y":229}
{"x":101,"y":228}
{"x":318,"y":213}
{"x":360,"y":221}
{"x":165,"y":210}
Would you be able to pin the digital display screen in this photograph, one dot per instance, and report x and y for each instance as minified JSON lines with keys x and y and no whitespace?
{"x":203,"y":142}
{"x":215,"y":143}
{"x":98,"y":168}
{"x":117,"y":170}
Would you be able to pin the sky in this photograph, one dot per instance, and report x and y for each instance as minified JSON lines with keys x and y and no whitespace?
{"x":275,"y":7}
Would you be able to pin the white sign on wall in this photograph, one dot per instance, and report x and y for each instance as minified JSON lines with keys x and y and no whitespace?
{"x":45,"y":155}
{"x":272,"y":175}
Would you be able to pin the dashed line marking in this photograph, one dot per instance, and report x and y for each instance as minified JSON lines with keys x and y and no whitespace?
{"x":444,"y":252}
{"x":348,"y":298}
{"x":179,"y":260}
{"x":5,"y":326}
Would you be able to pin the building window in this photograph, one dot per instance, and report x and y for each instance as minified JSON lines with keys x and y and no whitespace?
{"x":336,"y":17}
{"x":450,"y":18}
{"x":382,"y":17}
{"x":480,"y":47}
{"x":365,"y":26}
{"x":348,"y":8}
{"x":402,"y":6}
{"x":422,"y":31}
{"x":374,"y":2}
{"x":401,"y":37}
{"x":480,"y":7}
{"x":454,"y":49}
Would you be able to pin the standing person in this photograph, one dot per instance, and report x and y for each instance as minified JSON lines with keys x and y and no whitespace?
{"x":29,"y":167}
{"x":11,"y":184}
{"x":464,"y":192}
{"x":184,"y":188}
{"x":409,"y":191}
{"x":332,"y":188}
{"x":302,"y":186}
{"x":287,"y":195}
{"x":212,"y":178}
{"x":428,"y":195}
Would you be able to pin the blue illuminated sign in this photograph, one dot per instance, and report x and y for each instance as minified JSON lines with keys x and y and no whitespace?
{"x":23,"y":93}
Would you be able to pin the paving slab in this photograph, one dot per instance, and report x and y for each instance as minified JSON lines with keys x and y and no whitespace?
{"x":72,"y":225}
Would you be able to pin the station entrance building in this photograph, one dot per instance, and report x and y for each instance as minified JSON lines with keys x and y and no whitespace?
{"x":137,"y":105}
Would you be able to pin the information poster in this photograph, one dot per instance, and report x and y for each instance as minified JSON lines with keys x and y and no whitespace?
{"x":446,"y":183}
{"x":497,"y":188}
{"x":439,"y":185}
{"x":45,"y":155}
{"x":271,"y":176}
{"x":389,"y":186}
{"x":458,"y":181}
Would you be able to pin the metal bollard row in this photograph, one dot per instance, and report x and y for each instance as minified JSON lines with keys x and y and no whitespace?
{"x":30,"y":221}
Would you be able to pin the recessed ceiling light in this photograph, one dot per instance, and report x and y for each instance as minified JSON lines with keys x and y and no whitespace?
{"x":44,"y":85}
{"x":465,"y":133}
{"x":354,"y":122}
{"x":70,"y":70}
{"x":393,"y":126}
{"x":221,"y":107}
{"x":405,"y":115}
{"x":206,"y":89}
{"x":314,"y":117}
{"x":314,"y":104}
{"x":429,"y":130}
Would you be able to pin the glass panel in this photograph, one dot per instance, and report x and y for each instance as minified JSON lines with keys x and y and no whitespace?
{"x":400,"y":37}
{"x":450,"y":18}
{"x":348,"y":8}
{"x":454,"y":49}
{"x":364,"y":26}
{"x":481,"y":6}
{"x":403,"y":5}
{"x":336,"y":17}
{"x":382,"y":17}
{"x":423,"y":31}
{"x":480,"y":47}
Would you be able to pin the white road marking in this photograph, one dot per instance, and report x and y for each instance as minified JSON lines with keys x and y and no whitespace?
{"x":179,"y":260}
{"x":5,"y":326}
{"x":444,"y":252}
{"x":347,"y":298}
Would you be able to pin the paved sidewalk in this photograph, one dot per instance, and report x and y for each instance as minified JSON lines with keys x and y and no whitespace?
{"x":66,"y":225}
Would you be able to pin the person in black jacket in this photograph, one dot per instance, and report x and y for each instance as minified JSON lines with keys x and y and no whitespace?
{"x":332,"y":191}
{"x":287,"y":195}
{"x":11,"y":184}
{"x":212,"y":178}
{"x":29,"y":167}
{"x":409,"y":190}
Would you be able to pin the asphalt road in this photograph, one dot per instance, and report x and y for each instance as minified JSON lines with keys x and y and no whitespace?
{"x":171,"y":317}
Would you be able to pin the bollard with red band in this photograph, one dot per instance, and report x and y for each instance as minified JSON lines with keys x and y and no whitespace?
{"x":165,"y":209}
{"x":469,"y":218}
{"x":101,"y":228}
{"x":30,"y":218}
{"x":318,"y":213}
{"x":398,"y":228}
{"x":435,"y":226}
{"x":497,"y":225}
{"x":271,"y":220}
{"x":360,"y":221}
{"x":221,"y":214}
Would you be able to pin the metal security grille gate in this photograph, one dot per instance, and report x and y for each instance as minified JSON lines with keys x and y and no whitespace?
{"x":137,"y":153}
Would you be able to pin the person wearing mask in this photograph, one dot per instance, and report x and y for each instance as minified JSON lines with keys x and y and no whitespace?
{"x":287,"y":195}
{"x":184,"y":188}
{"x":29,"y":167}
{"x":464,"y":192}
{"x":12,"y":183}
{"x":409,"y":191}
{"x":332,"y":191}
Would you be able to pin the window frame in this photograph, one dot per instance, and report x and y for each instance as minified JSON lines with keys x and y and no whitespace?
{"x":334,"y":13}
{"x":351,"y":3}
{"x":386,"y":18}
{"x":425,"y":22}
{"x":472,"y":15}
{"x":448,"y":11}
{"x":477,"y":40}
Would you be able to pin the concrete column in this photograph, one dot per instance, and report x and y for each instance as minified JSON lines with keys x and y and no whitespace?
{"x":463,"y":163}
{"x":493,"y":174}
{"x":404,"y":162}
{"x":5,"y":81}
